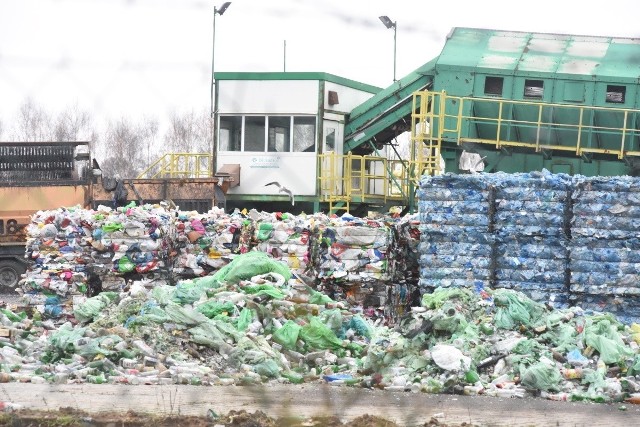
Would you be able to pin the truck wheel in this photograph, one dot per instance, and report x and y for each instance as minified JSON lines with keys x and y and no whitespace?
{"x":10,"y":272}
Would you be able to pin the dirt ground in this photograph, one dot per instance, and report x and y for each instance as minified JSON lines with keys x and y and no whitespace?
{"x":308,"y":405}
{"x":70,"y":417}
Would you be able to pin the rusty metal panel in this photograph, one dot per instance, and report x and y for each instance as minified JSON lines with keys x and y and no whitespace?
{"x":193,"y":189}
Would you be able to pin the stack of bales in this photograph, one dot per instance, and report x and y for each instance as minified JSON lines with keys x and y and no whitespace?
{"x":285,"y":237}
{"x":59,"y":245}
{"x":605,"y":246}
{"x":78,"y":252}
{"x":456,"y":243}
{"x":531,"y":222}
{"x":206,"y":242}
{"x":350,"y":257}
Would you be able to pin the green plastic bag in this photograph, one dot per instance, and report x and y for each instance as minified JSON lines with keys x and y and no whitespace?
{"x":207,"y":282}
{"x":125,"y":265}
{"x":14,"y":317}
{"x":61,"y":342}
{"x":208,"y":334}
{"x":441,"y":295}
{"x":332,"y":318}
{"x":319,"y":298}
{"x":634,"y":369}
{"x":149,"y":313}
{"x":245,"y":266}
{"x":603,"y":336}
{"x":110,"y":227}
{"x":358,"y":325}
{"x":317,"y":335}
{"x":163,"y":294}
{"x":268,"y":368}
{"x":212,"y":308}
{"x":184,"y":315}
{"x":90,"y":309}
{"x":541,"y":376}
{"x":287,"y":335}
{"x":188,"y":292}
{"x":245,"y":318}
{"x":293,"y":377}
{"x":514,"y":309}
{"x":269,"y":290}
{"x":526,"y":346}
{"x":264,"y":231}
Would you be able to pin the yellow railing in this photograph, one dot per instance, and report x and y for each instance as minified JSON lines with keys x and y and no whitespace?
{"x":425,"y":147}
{"x":533,"y":125}
{"x":348,"y":178}
{"x":180,"y":165}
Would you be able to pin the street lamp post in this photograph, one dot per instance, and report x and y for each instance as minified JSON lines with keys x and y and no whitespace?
{"x":390,"y":24}
{"x":220,"y":12}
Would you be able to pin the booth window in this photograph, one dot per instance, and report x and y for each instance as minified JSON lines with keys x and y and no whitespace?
{"x":279,"y":134}
{"x":533,"y":89}
{"x":254,"y":133}
{"x":230,"y":133}
{"x":304,"y":134}
{"x":493,"y":86}
{"x":276,"y":134}
{"x":615,"y":94}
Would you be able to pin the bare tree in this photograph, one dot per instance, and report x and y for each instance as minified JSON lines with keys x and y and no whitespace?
{"x":124,"y":144}
{"x":73,"y":125}
{"x":150,"y":128}
{"x":189,"y":133}
{"x":32,"y":124}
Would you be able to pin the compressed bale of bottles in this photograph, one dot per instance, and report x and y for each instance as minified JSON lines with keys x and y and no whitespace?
{"x":81,"y":252}
{"x":206,"y":242}
{"x":350,"y":257}
{"x":404,"y":265}
{"x":605,"y":245}
{"x":531,"y":219}
{"x":456,"y":240}
{"x":285,"y":237}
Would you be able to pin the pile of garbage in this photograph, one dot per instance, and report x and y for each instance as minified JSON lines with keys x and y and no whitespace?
{"x":78,"y":253}
{"x":254,"y":322}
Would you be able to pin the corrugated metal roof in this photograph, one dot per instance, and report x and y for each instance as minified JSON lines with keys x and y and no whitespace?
{"x":602,"y":58}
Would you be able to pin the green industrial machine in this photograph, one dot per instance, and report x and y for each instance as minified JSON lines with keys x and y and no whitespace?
{"x":522,"y":101}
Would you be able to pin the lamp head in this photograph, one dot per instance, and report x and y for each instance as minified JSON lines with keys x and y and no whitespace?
{"x":387,"y":22}
{"x":223,"y":8}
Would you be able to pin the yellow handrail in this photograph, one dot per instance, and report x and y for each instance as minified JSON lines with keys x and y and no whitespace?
{"x":180,"y":165}
{"x":549,"y":126}
{"x":348,"y":178}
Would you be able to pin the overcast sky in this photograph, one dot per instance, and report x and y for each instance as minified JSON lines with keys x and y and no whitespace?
{"x":133,"y":58}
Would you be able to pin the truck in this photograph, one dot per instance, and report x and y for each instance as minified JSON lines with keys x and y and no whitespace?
{"x":38,"y":176}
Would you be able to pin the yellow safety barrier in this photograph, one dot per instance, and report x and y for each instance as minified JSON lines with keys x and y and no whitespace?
{"x":180,"y":165}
